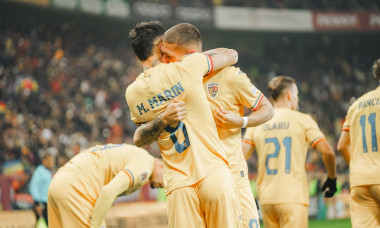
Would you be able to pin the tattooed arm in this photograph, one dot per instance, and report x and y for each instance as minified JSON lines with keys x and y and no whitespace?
{"x":148,"y":132}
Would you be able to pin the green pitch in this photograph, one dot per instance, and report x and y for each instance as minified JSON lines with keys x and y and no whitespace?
{"x":338,"y":223}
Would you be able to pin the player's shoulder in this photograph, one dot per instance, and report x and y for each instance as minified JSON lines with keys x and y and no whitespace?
{"x":136,"y":81}
{"x":234,"y":71}
{"x":231,"y":73}
{"x":132,"y":89}
{"x":301,"y":116}
{"x":370,"y":94}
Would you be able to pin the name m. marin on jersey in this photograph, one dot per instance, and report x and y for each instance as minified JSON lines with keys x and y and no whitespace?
{"x":158,"y":99}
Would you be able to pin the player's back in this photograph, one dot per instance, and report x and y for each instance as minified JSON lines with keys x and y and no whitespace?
{"x":192,"y":149}
{"x":231,"y":89}
{"x":100,"y":164}
{"x":281,"y":145}
{"x":363,"y":120}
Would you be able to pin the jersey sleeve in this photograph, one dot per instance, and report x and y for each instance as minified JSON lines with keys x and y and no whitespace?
{"x":197,"y":64}
{"x":119,"y":184}
{"x":129,"y":100}
{"x":247,"y":93}
{"x":313,"y":133}
{"x":347,"y":120}
{"x":138,"y":171}
{"x":135,"y":120}
{"x":249,"y":136}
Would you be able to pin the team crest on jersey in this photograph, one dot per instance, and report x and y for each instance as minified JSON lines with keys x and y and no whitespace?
{"x":143,"y":176}
{"x":213,"y":89}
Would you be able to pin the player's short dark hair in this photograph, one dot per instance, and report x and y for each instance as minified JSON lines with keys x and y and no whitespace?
{"x":183,"y":34}
{"x":278,"y":84}
{"x":376,"y":69}
{"x":142,"y":37}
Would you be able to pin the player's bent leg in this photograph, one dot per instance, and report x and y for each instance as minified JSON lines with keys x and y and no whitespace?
{"x":293,"y":215}
{"x":365,"y":206}
{"x":250,"y":215}
{"x":270,"y":216}
{"x":183,"y":208}
{"x":219,"y":199}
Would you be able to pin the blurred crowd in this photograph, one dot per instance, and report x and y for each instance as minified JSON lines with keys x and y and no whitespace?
{"x":338,"y":5}
{"x":62,"y":90}
{"x":58,"y":95}
{"x":341,"y":5}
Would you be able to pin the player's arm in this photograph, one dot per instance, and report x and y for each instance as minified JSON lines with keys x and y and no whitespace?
{"x":328,"y":157}
{"x":117,"y":186}
{"x":343,"y":146}
{"x":248,"y":148}
{"x":228,"y":120}
{"x":222,"y":57}
{"x":147,"y":133}
{"x":200,"y":64}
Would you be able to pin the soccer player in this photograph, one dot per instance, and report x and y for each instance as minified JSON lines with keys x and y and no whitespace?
{"x":281,"y":145}
{"x":199,"y":187}
{"x":228,"y":91}
{"x":358,"y":145}
{"x":83,"y":190}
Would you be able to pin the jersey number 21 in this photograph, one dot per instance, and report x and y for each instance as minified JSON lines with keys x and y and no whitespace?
{"x":287,"y":142}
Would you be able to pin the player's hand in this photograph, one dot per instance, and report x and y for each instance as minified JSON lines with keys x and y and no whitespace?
{"x":174,"y":112}
{"x":226,"y":119}
{"x":331,"y":185}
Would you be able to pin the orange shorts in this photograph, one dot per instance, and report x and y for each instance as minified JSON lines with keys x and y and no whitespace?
{"x":285,"y":215}
{"x":250,"y":215}
{"x":212,"y":202}
{"x":365,"y":206}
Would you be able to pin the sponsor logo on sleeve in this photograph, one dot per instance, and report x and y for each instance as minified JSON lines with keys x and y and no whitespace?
{"x":143,"y":176}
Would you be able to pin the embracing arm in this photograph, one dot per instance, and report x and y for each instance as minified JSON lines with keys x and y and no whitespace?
{"x":228,"y":120}
{"x":147,"y":133}
{"x":222,"y":57}
{"x":264,"y":113}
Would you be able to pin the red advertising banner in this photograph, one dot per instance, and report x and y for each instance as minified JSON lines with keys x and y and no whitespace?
{"x":346,"y":21}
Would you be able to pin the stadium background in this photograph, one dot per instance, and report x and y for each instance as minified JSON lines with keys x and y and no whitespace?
{"x":64,"y":67}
